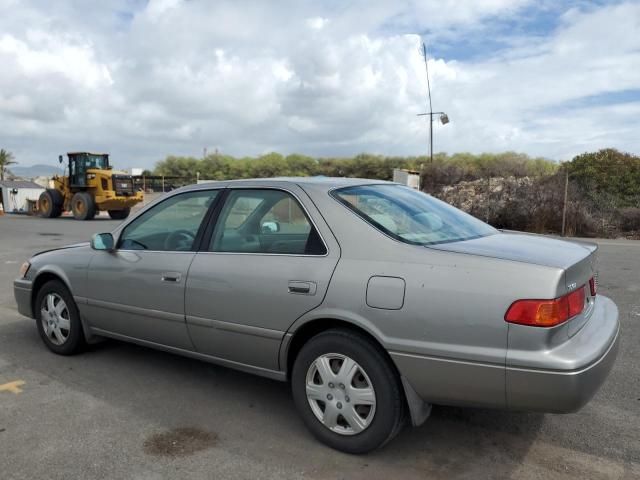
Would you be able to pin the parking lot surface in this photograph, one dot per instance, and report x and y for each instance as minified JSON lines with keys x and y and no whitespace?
{"x":127,"y":412}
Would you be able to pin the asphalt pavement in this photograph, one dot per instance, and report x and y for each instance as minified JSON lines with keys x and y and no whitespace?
{"x":126,"y":412}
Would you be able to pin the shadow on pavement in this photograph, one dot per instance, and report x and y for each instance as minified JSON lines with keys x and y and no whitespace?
{"x":246,"y":411}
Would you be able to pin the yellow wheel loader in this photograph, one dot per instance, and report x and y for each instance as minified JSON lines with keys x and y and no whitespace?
{"x":90,"y":186}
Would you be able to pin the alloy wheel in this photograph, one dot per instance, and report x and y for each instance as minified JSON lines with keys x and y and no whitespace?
{"x":55,"y":319}
{"x":340,"y":394}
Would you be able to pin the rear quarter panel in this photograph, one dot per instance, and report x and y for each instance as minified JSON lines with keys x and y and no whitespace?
{"x":449,"y":338}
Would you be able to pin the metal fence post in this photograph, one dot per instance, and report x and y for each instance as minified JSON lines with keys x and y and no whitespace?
{"x":564,"y":208}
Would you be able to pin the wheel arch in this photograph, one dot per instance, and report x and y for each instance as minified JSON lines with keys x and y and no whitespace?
{"x":303,"y":333}
{"x":54,"y":273}
{"x":43,"y":277}
{"x":306,"y":328}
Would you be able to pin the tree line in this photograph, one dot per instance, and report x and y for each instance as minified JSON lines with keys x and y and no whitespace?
{"x":603,"y":187}
{"x":446,"y":168}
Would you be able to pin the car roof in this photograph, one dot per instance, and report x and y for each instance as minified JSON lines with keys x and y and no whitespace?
{"x":326,"y":183}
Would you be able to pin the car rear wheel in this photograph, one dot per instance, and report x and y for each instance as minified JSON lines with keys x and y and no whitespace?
{"x":119,"y":214}
{"x":83,"y":206}
{"x":347,"y":391}
{"x":58,"y":319}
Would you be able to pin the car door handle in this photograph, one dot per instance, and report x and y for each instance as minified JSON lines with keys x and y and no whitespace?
{"x":174,"y":277}
{"x":304,"y":288}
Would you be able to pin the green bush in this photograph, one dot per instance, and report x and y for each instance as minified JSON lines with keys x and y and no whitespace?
{"x":445,"y":169}
{"x":603,"y":195}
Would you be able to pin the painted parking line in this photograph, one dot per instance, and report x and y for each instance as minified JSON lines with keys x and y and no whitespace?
{"x":13,"y":387}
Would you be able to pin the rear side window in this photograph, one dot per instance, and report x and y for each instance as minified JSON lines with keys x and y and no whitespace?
{"x":411,"y":216}
{"x":265,"y":221}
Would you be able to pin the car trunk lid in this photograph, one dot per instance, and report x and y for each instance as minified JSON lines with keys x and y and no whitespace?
{"x":577,"y":259}
{"x":526,"y":248}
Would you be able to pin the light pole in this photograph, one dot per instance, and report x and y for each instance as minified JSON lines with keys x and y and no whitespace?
{"x":444,"y":118}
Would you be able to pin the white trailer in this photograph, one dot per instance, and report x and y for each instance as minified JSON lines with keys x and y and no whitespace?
{"x":15,"y":194}
{"x":409,"y":178}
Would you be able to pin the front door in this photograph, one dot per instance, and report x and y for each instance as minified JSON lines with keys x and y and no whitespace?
{"x":138,"y":290}
{"x":265,"y":265}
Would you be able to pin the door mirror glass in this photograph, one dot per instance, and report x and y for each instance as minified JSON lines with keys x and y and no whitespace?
{"x":102,"y":241}
{"x":270,"y":227}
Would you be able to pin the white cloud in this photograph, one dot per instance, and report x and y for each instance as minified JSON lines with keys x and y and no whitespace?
{"x":172,"y":77}
{"x":317,"y":23}
{"x":157,"y":8}
{"x":43,"y":54}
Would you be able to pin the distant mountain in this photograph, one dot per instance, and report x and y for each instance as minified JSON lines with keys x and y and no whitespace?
{"x":35,"y":171}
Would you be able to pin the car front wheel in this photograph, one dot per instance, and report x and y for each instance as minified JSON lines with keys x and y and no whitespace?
{"x":347,"y":391}
{"x":58,"y":319}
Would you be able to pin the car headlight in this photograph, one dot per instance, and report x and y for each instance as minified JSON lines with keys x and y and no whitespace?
{"x":24,"y":269}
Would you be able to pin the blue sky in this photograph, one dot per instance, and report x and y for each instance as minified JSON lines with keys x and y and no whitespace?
{"x":144,"y":79}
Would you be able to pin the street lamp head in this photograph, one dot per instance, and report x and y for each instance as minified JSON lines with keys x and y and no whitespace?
{"x":444,"y":119}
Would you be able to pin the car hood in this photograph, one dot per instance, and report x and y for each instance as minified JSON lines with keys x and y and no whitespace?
{"x":66,"y":247}
{"x":521,"y":247}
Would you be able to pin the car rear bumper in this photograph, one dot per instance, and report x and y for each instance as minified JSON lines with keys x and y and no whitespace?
{"x":577,"y":367}
{"x":561,"y":379}
{"x":22,"y":294}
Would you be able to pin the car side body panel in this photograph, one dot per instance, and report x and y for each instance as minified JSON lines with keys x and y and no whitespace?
{"x":128,"y":296}
{"x":438,"y":312}
{"x":239,"y":305}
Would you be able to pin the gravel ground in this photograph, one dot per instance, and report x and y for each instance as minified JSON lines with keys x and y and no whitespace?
{"x":122,"y":411}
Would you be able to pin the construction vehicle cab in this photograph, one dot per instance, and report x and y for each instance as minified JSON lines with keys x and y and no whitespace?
{"x":90,"y":186}
{"x":80,"y":162}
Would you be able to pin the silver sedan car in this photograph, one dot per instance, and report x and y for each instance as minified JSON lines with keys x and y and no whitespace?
{"x":373,"y":300}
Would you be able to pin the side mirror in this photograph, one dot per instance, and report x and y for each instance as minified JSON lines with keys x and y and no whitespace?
{"x":60,"y":158}
{"x":102,"y":241}
{"x":270,"y":227}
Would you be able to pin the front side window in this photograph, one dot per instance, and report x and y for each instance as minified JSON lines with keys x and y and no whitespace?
{"x":265,"y":221}
{"x":169,"y":226}
{"x":411,"y":216}
{"x":96,"y":161}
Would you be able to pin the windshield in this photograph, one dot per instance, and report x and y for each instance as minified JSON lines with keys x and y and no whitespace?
{"x":96,"y":161}
{"x":411,"y":216}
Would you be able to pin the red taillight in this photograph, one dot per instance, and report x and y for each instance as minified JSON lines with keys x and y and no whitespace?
{"x":546,"y":313}
{"x":593,"y":286}
{"x":575,"y":300}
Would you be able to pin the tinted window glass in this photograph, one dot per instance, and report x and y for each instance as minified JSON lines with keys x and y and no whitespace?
{"x":265,"y":221}
{"x":96,"y":161}
{"x":411,"y":216}
{"x":169,"y":226}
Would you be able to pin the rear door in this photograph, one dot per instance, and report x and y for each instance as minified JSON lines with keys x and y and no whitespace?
{"x":268,"y":261}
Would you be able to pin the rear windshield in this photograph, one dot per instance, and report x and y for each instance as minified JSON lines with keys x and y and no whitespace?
{"x":411,"y":216}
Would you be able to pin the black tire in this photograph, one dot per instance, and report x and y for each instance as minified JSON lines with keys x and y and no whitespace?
{"x":50,"y":203}
{"x":389,"y":414}
{"x":119,"y":214}
{"x":75,"y":341}
{"x":83,"y":206}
